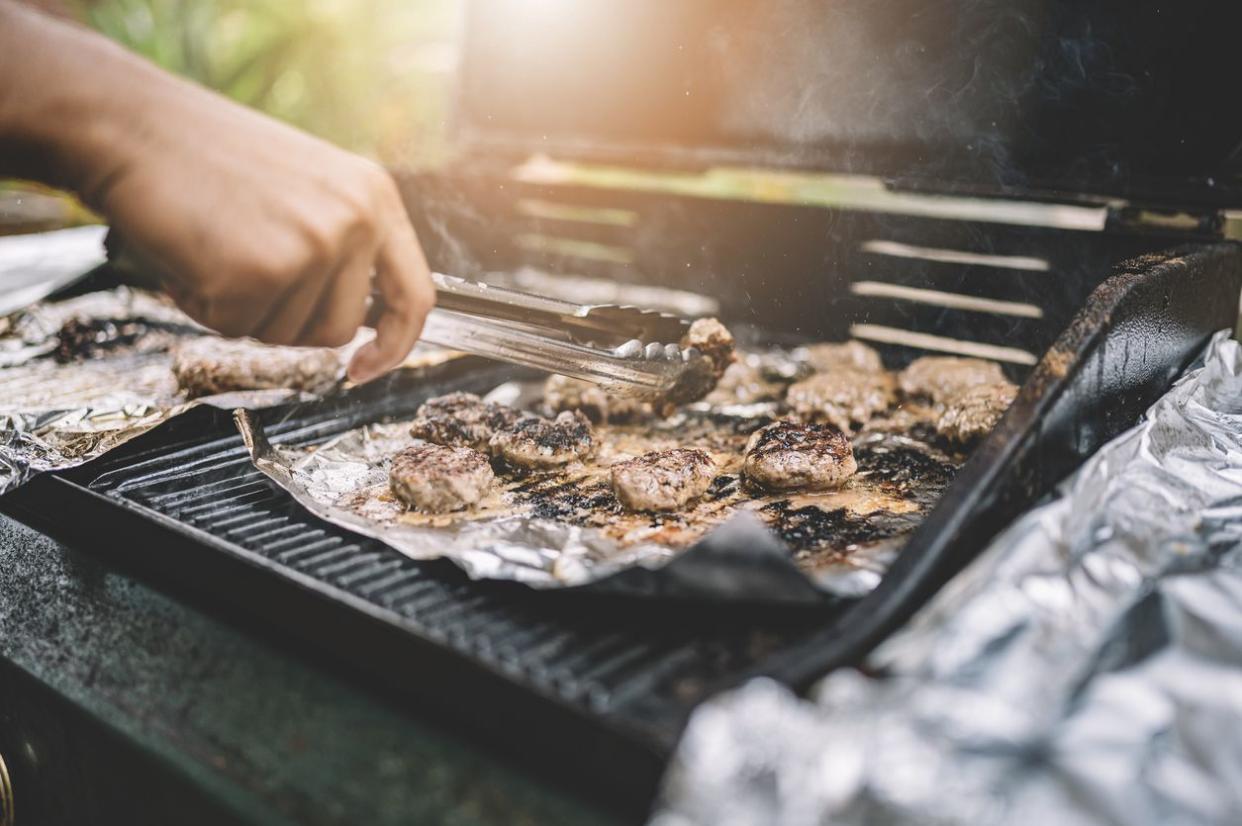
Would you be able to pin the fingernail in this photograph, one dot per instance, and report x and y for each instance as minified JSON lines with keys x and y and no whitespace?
{"x":362,"y":367}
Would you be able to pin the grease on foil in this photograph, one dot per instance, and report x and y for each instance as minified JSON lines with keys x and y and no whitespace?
{"x":1087,"y":669}
{"x":56,"y":415}
{"x":566,"y":529}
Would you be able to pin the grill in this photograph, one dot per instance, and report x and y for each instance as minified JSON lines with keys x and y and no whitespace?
{"x":1093,"y":307}
{"x":595,"y":690}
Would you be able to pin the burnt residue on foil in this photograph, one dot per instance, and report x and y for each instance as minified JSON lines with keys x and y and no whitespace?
{"x":1086,"y":669}
{"x":565,"y":528}
{"x":84,"y":375}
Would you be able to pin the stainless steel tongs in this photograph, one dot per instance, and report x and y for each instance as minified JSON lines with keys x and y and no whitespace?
{"x":626,"y":350}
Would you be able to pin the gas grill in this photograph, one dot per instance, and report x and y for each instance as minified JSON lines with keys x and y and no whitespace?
{"x":1094,"y":293}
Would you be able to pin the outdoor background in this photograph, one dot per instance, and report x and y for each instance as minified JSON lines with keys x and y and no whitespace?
{"x":370,"y":75}
{"x":373,"y":76}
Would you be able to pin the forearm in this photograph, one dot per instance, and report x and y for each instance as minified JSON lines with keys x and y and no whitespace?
{"x":66,"y":100}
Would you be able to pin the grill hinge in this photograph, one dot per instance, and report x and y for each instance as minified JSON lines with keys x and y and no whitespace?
{"x":1132,"y":218}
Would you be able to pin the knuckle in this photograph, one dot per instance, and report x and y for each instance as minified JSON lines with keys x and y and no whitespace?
{"x":332,"y":335}
{"x":382,"y":187}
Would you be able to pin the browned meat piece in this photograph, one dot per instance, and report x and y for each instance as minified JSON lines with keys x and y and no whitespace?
{"x":663,"y":480}
{"x":565,"y":393}
{"x":712,"y":339}
{"x":461,"y":420}
{"x":208,"y":365}
{"x":438,"y":479}
{"x":744,"y":383}
{"x":714,"y":344}
{"x":537,"y":443}
{"x":791,"y":456}
{"x":941,"y":377}
{"x":843,"y":397}
{"x":838,"y":355}
{"x":971,"y":414}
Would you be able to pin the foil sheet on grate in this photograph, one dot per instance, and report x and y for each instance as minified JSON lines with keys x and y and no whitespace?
{"x":59,"y":413}
{"x":1087,"y":669}
{"x":565,"y":529}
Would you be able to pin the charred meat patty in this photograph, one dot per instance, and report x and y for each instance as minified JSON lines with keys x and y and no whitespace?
{"x":538,"y":443}
{"x":461,"y":420}
{"x":939,"y":378}
{"x":565,"y":393}
{"x":842,"y":397}
{"x":439,"y":479}
{"x":663,"y":480}
{"x":791,"y":456}
{"x":208,"y":365}
{"x":830,"y":356}
{"x":972,"y":413}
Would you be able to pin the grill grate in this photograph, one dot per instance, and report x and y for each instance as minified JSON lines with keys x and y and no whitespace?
{"x":621,"y":661}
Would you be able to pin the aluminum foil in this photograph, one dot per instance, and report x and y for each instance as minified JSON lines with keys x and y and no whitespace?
{"x":345,"y":481}
{"x":1087,"y":669}
{"x":56,"y":415}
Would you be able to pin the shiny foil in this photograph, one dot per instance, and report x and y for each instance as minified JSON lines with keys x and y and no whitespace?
{"x":1087,"y":669}
{"x":345,"y":481}
{"x":55,"y":416}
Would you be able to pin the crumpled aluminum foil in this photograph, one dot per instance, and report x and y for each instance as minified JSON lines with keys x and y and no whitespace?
{"x":1087,"y":669}
{"x":55,"y":416}
{"x":345,"y":481}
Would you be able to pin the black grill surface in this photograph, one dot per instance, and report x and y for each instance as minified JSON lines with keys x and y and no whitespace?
{"x":633,"y":669}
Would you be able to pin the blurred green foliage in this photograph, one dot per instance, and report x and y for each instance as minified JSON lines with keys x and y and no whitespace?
{"x":373,"y":76}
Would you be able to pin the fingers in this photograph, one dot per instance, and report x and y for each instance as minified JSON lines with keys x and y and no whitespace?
{"x":342,"y":305}
{"x":291,"y":314}
{"x":404,"y":280}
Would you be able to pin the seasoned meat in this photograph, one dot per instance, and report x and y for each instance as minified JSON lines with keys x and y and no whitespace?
{"x":565,"y":393}
{"x":714,"y":344}
{"x":744,"y":383}
{"x":439,"y":479}
{"x":837,"y":355}
{"x":972,"y":413}
{"x":842,"y":397}
{"x":663,"y":480}
{"x":209,"y":365}
{"x":537,"y":443}
{"x":941,"y":377}
{"x":461,"y":420}
{"x":791,"y":456}
{"x":712,"y":339}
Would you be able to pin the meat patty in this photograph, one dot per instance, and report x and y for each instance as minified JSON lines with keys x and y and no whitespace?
{"x":941,"y":377}
{"x":972,"y":413}
{"x":712,"y":339}
{"x":565,"y":393}
{"x":439,"y":479}
{"x":663,"y":480}
{"x":207,"y":365}
{"x":537,"y":443}
{"x":790,"y":456}
{"x":744,"y":383}
{"x":829,"y":356}
{"x":461,"y":420}
{"x":842,"y":397}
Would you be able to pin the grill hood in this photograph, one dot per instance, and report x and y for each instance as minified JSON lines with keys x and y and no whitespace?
{"x":1059,"y":100}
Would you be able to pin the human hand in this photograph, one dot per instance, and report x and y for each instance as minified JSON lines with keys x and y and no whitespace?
{"x":260,"y":230}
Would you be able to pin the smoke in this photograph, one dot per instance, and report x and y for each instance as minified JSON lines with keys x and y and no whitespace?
{"x":985,"y":90}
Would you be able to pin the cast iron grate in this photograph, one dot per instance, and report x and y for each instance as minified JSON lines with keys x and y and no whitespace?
{"x":626,"y":662}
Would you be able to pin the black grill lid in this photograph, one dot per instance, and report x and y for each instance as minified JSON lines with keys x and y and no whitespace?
{"x":1076,"y":98}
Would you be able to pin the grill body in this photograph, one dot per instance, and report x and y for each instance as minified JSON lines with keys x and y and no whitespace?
{"x":596,"y":690}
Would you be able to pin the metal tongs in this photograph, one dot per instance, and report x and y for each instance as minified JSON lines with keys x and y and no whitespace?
{"x":626,"y":350}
